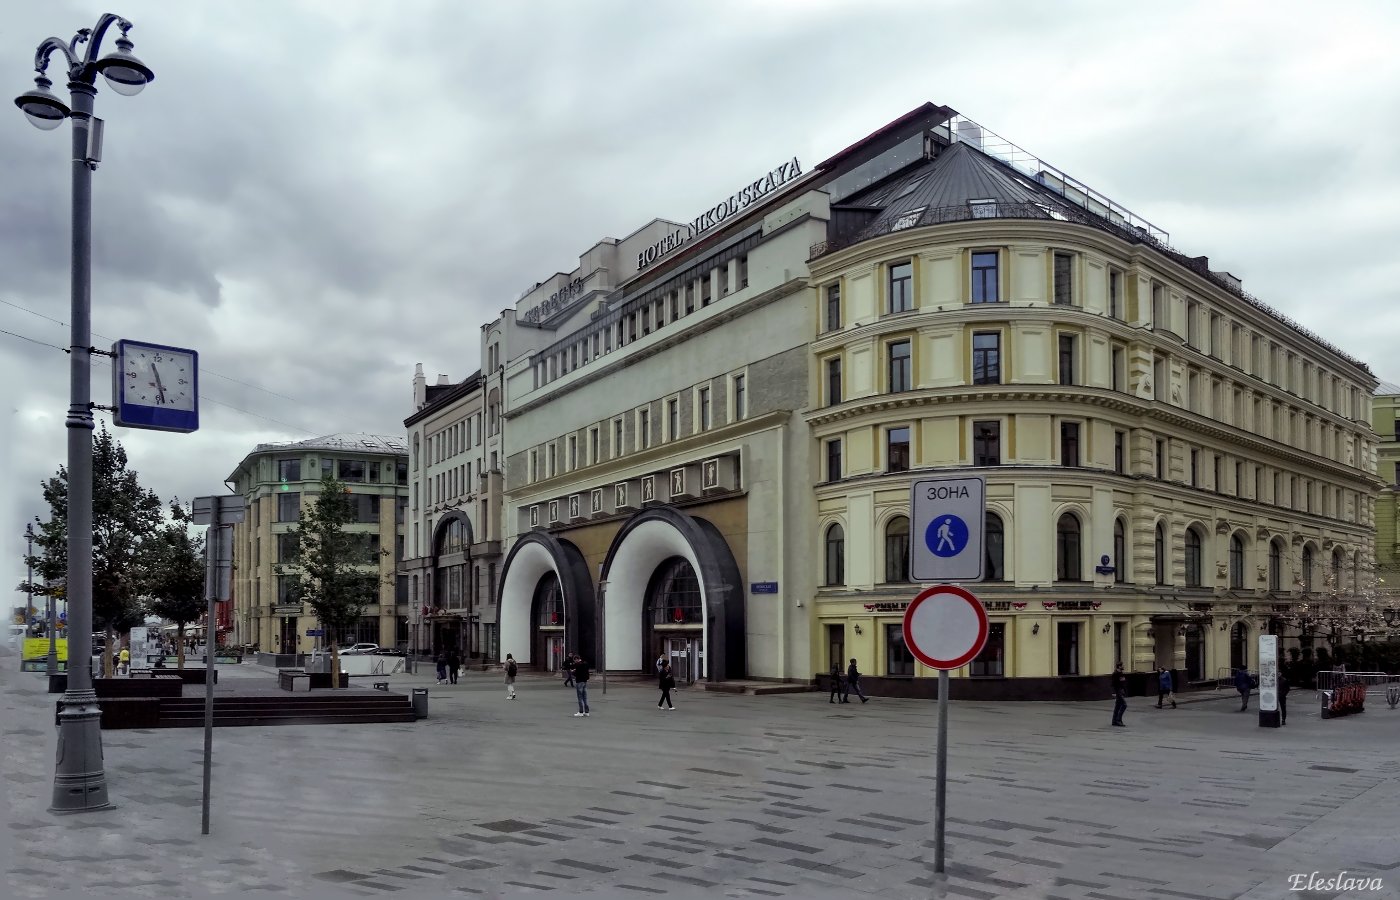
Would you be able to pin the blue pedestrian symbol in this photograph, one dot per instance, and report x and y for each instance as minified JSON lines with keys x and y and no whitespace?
{"x":946,"y":536}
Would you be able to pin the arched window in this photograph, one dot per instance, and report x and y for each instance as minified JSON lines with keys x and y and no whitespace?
{"x":1193,"y":558}
{"x":995,"y":539}
{"x":1307,"y":570}
{"x":1356,"y":571}
{"x":1338,"y":586}
{"x":1159,"y":553}
{"x":1120,"y":551}
{"x":1236,"y":562}
{"x":1275,"y":566}
{"x":897,"y":550}
{"x":1068,"y":559}
{"x":835,"y":556}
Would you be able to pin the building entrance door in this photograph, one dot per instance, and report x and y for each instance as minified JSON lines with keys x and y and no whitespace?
{"x":554,"y":652}
{"x":287,"y":641}
{"x":687,"y":655}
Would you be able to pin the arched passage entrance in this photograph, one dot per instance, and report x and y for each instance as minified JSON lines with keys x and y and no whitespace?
{"x":547,"y":613}
{"x":662,"y":562}
{"x":450,"y":582}
{"x":539,"y":565}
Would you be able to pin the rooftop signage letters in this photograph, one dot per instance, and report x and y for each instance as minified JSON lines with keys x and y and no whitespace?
{"x":737,"y":202}
{"x":557,"y":301}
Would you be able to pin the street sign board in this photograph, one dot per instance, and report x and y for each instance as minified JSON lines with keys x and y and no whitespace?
{"x":315,"y":632}
{"x":947,"y":518}
{"x":231,"y":509}
{"x":945,"y":627}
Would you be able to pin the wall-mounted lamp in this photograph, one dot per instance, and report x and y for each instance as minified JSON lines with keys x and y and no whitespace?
{"x":1106,"y":628}
{"x":1182,"y":631}
{"x":1224,"y":626}
{"x":858,"y":631}
{"x":1035,"y":629}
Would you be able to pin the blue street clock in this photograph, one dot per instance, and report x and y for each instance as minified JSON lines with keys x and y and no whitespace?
{"x":155,"y":386}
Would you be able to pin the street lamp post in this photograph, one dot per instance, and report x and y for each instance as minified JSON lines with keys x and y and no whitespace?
{"x":80,"y":783}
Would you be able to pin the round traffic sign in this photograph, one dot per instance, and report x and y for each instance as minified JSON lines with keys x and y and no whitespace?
{"x":945,"y":627}
{"x":946,"y":535}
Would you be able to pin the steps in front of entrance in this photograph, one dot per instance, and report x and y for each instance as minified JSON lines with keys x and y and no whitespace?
{"x":752,"y":687}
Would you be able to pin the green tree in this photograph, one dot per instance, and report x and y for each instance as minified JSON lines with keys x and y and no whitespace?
{"x":330,"y":566}
{"x":123,"y":514}
{"x":172,"y":562}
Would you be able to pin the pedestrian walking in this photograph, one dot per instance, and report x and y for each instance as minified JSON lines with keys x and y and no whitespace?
{"x":853,"y":681}
{"x":454,"y":662}
{"x":661,"y":661}
{"x":124,"y":661}
{"x":1164,"y":687}
{"x":667,"y":683}
{"x":511,"y":669}
{"x":1120,"y":695}
{"x":1243,"y":683}
{"x":1283,"y":688}
{"x":581,"y":685}
{"x":839,"y":688}
{"x":440,"y":660}
{"x":568,"y":670}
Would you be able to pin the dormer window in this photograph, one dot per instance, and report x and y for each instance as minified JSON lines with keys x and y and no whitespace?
{"x":983,"y":209}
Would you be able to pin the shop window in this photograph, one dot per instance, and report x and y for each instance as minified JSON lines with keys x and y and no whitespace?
{"x":1067,"y":648}
{"x":897,"y":550}
{"x":991,"y":661}
{"x":898,"y":660}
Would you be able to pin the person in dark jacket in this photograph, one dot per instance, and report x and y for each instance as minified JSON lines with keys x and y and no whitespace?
{"x":1164,"y":686}
{"x":581,"y":685}
{"x":1283,"y":688}
{"x":667,"y":681}
{"x":838,"y":684}
{"x":440,"y":660}
{"x":569,"y":670}
{"x":454,"y":662}
{"x":1120,"y":695}
{"x":1243,"y":683}
{"x":853,"y":681}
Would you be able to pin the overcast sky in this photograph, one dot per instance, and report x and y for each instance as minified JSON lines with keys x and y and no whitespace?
{"x":318,"y":195}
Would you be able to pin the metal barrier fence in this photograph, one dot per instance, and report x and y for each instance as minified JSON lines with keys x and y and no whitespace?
{"x":1375,"y":682}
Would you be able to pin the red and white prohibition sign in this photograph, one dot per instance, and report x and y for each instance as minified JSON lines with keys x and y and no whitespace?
{"x":945,"y":627}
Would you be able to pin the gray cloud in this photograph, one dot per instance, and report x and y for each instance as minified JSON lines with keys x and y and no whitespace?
{"x":318,"y":195}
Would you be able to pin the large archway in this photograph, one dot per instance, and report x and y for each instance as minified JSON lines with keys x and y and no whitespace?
{"x":532,"y":558}
{"x":643,"y":571}
{"x":450,"y":583}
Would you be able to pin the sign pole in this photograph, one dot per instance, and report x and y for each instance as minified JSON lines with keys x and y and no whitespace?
{"x":941,"y":791}
{"x":210,"y":591}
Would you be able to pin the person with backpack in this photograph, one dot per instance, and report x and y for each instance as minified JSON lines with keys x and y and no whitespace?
{"x":667,"y":683}
{"x":581,"y":685}
{"x":1164,"y":687}
{"x":511,"y":669}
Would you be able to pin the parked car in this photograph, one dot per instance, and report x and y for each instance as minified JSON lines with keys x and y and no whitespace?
{"x":389,"y":651}
{"x":356,"y":649}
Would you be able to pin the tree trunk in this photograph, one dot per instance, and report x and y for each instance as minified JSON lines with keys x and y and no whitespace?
{"x":180,"y":645}
{"x":107,"y":653}
{"x":335,"y":665}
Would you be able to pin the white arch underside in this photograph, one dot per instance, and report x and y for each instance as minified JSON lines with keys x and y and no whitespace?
{"x":530,"y":564}
{"x":642,"y":550}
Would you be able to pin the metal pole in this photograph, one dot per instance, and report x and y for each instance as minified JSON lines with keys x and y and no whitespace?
{"x":51,"y":667}
{"x":80,"y":784}
{"x":941,"y":790}
{"x":211,"y":581}
{"x":603,"y":632}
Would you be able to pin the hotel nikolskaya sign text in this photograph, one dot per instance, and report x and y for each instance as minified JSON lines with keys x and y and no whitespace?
{"x":738,"y":201}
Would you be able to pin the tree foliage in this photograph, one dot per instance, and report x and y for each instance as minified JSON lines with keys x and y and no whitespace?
{"x":330,"y":565}
{"x":172,"y":563}
{"x":123,"y":515}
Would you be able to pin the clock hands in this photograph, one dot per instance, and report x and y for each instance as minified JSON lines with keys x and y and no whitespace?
{"x":160,"y":387}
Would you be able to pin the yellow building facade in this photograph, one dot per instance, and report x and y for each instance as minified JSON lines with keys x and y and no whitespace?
{"x":1169,"y":463}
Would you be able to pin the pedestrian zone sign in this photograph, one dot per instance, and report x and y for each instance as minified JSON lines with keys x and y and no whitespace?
{"x":947,"y":517}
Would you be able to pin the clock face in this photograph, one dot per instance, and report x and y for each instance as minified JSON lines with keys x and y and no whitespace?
{"x":158,"y":378}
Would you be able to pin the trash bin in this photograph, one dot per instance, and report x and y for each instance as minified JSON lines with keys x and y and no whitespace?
{"x":420,"y":703}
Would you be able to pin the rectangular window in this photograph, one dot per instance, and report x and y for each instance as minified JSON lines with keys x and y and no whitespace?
{"x":743,"y":271}
{"x":673,"y":419}
{"x":1216,"y":485}
{"x":1115,"y":293}
{"x":573,"y":452}
{"x":1159,"y":308}
{"x":1062,"y":266}
{"x":1068,"y":343}
{"x":675,"y":305}
{"x":289,"y":470}
{"x":1119,"y":452}
{"x":689,"y":297}
{"x":1069,"y":444}
{"x":1193,"y":337}
{"x":986,"y":443}
{"x":984,"y":278}
{"x":617,"y":438}
{"x":833,"y":381}
{"x":986,"y":357}
{"x":288,"y":507}
{"x":901,"y":287}
{"x":705,"y":291}
{"x":1239,"y":479}
{"x":833,"y":460}
{"x":1120,"y":369}
{"x":553,"y":461}
{"x":593,"y":446}
{"x":991,"y":661}
{"x":897,"y":449}
{"x":833,"y":307}
{"x":741,"y":397}
{"x":287,"y":547}
{"x":644,"y":429}
{"x":900,"y":371}
{"x":1161,"y":458}
{"x":1067,"y":647}
{"x":898,"y":660}
{"x":328,"y":465}
{"x":534,"y":467}
{"x":1195,"y":468}
{"x":704,"y":409}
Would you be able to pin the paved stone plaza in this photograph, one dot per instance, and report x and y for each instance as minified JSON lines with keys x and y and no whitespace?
{"x":729,"y":795}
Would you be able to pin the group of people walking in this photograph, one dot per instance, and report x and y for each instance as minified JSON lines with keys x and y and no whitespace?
{"x":843,"y":683}
{"x":1244,"y":684}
